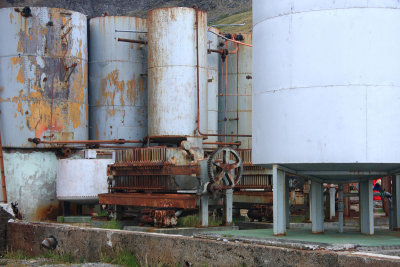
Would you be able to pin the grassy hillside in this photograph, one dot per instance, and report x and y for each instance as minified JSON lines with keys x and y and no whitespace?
{"x":238,"y":18}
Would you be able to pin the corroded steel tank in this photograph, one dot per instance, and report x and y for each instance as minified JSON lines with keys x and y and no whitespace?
{"x":172,"y":81}
{"x":326,"y":84}
{"x":213,"y":82}
{"x":237,"y":87}
{"x":43,"y":75}
{"x":118,"y":79}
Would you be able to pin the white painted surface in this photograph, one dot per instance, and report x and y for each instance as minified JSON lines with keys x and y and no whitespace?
{"x":81,"y":180}
{"x":326,"y":77}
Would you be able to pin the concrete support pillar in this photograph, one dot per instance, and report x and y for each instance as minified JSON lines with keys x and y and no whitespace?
{"x":332,"y":192}
{"x":366,"y":207}
{"x":287,"y":203}
{"x":279,"y":198}
{"x":228,"y":206}
{"x":316,"y":212}
{"x":396,"y":202}
{"x":203,"y":211}
{"x":340,"y":207}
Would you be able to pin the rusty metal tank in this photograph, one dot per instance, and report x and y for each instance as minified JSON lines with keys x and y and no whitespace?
{"x":238,"y":90}
{"x":172,"y":61}
{"x":43,"y":75}
{"x":118,"y":79}
{"x":213,"y":82}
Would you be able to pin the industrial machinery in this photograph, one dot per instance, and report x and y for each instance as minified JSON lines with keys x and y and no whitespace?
{"x":172,"y":175}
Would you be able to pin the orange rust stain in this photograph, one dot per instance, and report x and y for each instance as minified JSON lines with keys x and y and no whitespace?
{"x":20,"y":109}
{"x":48,"y":212}
{"x":80,"y":49}
{"x":15,"y":60}
{"x":1,"y":89}
{"x":110,"y":87}
{"x":11,"y":17}
{"x":20,"y":76}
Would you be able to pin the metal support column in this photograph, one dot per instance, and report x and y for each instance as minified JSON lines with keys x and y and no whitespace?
{"x":396,"y":202}
{"x":279,"y":198}
{"x":287,"y":204}
{"x":203,"y":211}
{"x":366,"y":207}
{"x":317,"y":215}
{"x":228,"y":205}
{"x":340,"y":207}
{"x":332,"y":192}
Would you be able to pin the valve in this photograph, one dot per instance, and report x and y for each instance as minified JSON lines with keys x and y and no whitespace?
{"x":225,"y":168}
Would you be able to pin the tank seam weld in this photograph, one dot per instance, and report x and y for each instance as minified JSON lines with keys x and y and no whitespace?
{"x":323,"y":86}
{"x":319,"y":10}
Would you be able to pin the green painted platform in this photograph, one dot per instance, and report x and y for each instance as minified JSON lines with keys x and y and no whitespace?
{"x":380,"y":238}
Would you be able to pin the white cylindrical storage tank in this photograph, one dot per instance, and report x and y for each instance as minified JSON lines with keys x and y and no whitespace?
{"x":43,"y":75}
{"x":326,"y":82}
{"x":172,"y":70}
{"x":237,"y":87}
{"x":213,"y":83}
{"x":118,"y":79}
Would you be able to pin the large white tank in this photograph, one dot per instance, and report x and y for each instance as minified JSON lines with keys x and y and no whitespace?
{"x":172,"y":70}
{"x":326,"y":83}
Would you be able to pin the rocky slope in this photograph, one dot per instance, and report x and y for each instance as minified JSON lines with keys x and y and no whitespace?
{"x":93,"y":8}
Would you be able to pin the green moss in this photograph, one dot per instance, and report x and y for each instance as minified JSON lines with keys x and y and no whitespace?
{"x":17,"y":255}
{"x":193,"y":221}
{"x":58,"y":257}
{"x":237,"y":18}
{"x":112,"y":224}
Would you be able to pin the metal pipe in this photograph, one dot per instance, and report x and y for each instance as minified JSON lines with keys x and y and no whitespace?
{"x":198,"y":85}
{"x":3,"y":177}
{"x":233,"y":41}
{"x":223,"y":143}
{"x":131,"y":31}
{"x":132,"y":41}
{"x":116,"y":141}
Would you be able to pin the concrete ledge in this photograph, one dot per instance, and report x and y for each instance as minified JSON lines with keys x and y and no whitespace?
{"x":155,"y":249}
{"x":186,"y":231}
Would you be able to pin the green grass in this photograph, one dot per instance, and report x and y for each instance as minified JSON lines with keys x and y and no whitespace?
{"x":237,"y":18}
{"x":17,"y":255}
{"x":121,"y":257}
{"x":112,"y":224}
{"x":193,"y":221}
{"x":58,"y":257}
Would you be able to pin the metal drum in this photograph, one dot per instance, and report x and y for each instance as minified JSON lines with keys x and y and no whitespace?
{"x":172,"y":62}
{"x":326,"y":84}
{"x":118,"y":79}
{"x":236,"y":91}
{"x":43,"y":75}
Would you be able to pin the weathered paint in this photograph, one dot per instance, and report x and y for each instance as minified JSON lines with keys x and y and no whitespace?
{"x":326,"y":99}
{"x":239,"y":83}
{"x":172,"y":105}
{"x":81,"y":180}
{"x":43,"y":76}
{"x":118,"y":79}
{"x":212,"y":71}
{"x":31,"y":181}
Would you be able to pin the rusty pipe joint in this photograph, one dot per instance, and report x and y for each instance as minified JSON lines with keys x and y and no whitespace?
{"x":34,"y":140}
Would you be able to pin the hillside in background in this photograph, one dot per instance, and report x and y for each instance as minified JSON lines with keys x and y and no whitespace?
{"x":216,"y":9}
{"x":237,"y":18}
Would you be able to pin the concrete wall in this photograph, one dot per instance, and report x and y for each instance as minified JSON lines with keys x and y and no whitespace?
{"x":155,"y":249}
{"x":31,"y":181}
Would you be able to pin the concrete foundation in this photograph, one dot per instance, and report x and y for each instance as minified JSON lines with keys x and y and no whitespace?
{"x":316,"y":211}
{"x":366,"y":208}
{"x":156,"y":249}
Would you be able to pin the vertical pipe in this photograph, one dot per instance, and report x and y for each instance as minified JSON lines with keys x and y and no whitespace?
{"x":226,"y":85}
{"x":3,"y":177}
{"x":237,"y":94}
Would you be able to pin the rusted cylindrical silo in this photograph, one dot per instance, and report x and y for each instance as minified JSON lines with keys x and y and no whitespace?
{"x":172,"y":69}
{"x":43,"y":75}
{"x":118,"y":79}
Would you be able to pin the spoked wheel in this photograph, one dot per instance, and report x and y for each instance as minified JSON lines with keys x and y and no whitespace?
{"x":225,"y":168}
